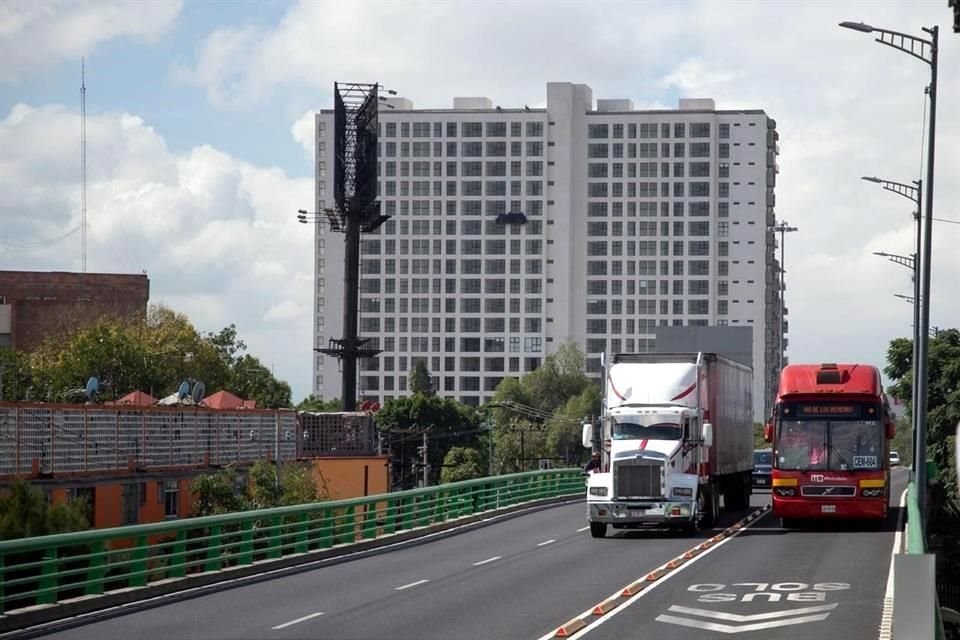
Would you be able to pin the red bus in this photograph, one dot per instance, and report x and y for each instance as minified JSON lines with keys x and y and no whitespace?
{"x":831,"y":429}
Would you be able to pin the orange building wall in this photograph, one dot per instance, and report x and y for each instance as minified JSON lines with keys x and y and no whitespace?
{"x":342,"y":478}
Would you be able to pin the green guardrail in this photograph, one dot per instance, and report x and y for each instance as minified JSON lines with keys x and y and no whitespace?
{"x":917,"y":543}
{"x":47,"y":570}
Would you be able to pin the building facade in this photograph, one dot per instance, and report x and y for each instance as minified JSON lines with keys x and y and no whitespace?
{"x":515,"y":230}
{"x":36,"y":304}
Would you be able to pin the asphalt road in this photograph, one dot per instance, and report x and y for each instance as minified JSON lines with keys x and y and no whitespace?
{"x":824,"y":581}
{"x":519,"y":578}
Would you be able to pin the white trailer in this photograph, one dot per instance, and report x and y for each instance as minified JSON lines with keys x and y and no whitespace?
{"x":675,"y":431}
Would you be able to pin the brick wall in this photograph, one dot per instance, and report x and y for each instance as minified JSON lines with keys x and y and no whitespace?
{"x":51,"y":302}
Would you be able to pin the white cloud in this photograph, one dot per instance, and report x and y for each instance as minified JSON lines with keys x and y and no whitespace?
{"x":38,"y":33}
{"x":217,"y":235}
{"x":303,"y":131}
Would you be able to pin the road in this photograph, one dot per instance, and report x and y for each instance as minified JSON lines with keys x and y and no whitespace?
{"x":828,"y":580}
{"x":523,"y":577}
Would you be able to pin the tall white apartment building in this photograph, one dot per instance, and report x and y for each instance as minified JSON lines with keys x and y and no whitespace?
{"x":514,"y":230}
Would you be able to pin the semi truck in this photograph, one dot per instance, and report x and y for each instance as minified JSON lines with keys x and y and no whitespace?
{"x":675,"y":431}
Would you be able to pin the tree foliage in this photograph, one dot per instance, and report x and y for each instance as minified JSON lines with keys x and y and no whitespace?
{"x":943,"y":397}
{"x":561,"y":396}
{"x":25,"y":512}
{"x":217,"y":493}
{"x":319,"y":405}
{"x":152,"y":354}
{"x":462,"y":463}
{"x":419,"y":378}
{"x":446,"y":422}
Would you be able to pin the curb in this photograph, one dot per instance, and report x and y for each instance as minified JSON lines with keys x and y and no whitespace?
{"x":85,"y":609}
{"x":622,"y":595}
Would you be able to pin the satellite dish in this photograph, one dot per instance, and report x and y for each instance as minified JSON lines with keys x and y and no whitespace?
{"x":93,"y":386}
{"x":184,"y":390}
{"x":198,"y":390}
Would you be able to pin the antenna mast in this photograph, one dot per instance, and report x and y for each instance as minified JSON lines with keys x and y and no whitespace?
{"x":83,"y":168}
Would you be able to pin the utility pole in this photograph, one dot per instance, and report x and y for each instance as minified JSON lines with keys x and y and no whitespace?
{"x":426,"y":468}
{"x":783,"y":228}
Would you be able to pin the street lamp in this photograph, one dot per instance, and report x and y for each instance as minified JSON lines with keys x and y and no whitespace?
{"x":783,"y":229}
{"x":910,"y":262}
{"x":925,"y":50}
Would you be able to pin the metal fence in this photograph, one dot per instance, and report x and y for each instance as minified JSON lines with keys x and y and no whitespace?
{"x":69,"y":439}
{"x":46,"y":570}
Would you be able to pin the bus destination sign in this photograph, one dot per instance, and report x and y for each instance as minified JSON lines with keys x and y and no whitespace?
{"x":809,"y":410}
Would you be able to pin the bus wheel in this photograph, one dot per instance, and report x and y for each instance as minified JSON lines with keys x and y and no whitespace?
{"x":598,"y":529}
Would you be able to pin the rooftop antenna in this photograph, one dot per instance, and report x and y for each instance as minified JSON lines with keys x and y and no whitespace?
{"x":83,"y":167}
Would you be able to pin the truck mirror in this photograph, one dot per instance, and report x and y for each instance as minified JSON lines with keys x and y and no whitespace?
{"x":891,"y":430}
{"x":708,"y":434}
{"x":587,"y":435}
{"x":768,"y":432}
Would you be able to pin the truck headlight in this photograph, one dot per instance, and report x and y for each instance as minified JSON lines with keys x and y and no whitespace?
{"x":598,"y":491}
{"x":684,"y":492}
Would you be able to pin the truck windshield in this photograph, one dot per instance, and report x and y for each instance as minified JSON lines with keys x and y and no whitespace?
{"x":841,"y":445}
{"x":625,"y":429}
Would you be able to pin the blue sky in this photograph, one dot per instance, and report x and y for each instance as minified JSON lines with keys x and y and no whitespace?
{"x":200,"y":126}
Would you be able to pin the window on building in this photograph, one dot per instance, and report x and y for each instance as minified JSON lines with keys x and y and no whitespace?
{"x":170,"y":497}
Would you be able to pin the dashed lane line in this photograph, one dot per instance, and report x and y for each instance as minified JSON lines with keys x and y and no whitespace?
{"x":298,"y":621}
{"x":488,"y":560}
{"x":546,"y":542}
{"x":412,"y":584}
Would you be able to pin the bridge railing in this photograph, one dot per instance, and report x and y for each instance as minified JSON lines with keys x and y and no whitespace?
{"x":916,"y":605}
{"x":47,"y":570}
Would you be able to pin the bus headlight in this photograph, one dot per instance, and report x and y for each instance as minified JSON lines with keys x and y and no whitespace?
{"x":598,"y":491}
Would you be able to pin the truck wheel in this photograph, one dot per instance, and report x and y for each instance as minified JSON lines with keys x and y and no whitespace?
{"x":598,"y":529}
{"x":708,"y":504}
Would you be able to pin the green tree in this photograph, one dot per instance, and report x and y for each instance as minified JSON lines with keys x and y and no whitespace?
{"x":943,"y":397}
{"x":446,"y":422}
{"x":319,"y":405}
{"x":25,"y":513}
{"x":251,"y":379}
{"x":542,"y":412}
{"x":902,"y":441}
{"x":462,"y":463}
{"x":297,"y":485}
{"x":420,"y":383}
{"x":215,"y":493}
{"x":16,"y":375}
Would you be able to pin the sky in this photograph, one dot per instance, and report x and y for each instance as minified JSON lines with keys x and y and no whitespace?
{"x":200,"y":130}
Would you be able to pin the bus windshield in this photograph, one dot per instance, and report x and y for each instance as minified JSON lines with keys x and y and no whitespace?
{"x":834,"y":445}
{"x":626,"y":429}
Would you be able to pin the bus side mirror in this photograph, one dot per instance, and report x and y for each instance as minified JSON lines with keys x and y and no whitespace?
{"x":891,"y":430}
{"x":587,"y":435}
{"x":708,"y":434}
{"x":768,"y":432}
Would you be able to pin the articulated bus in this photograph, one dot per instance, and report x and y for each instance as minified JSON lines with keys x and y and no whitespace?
{"x":831,"y":429}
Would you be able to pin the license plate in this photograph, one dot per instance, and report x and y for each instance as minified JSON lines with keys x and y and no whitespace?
{"x":761,"y":481}
{"x":828,"y":508}
{"x":637,"y":513}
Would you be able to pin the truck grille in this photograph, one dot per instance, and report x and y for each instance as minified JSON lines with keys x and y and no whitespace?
{"x":639,"y":480}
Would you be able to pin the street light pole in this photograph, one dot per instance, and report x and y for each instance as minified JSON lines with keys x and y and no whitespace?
{"x":913,"y":193}
{"x":783,"y":228}
{"x":927,"y":51}
{"x":911,"y":262}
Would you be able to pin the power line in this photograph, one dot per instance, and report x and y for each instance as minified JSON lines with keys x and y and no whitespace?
{"x":38,"y":244}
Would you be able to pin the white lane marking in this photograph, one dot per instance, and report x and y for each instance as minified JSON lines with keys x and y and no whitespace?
{"x":581,"y":529}
{"x":886,"y":617}
{"x":728,"y":628}
{"x":653,"y":585}
{"x":493,"y":559}
{"x":297,"y":621}
{"x":412,"y":584}
{"x":546,"y":542}
{"x":735,"y":617}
